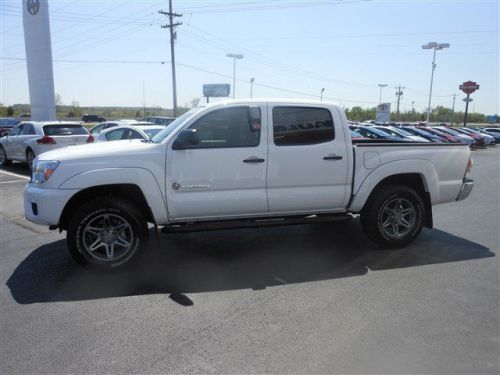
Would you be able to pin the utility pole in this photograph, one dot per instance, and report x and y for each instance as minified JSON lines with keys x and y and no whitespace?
{"x":381,"y":85}
{"x":322,"y":90}
{"x":453,"y":110}
{"x":252,"y":80}
{"x":143,"y":100}
{"x":399,"y":93}
{"x":173,"y":36}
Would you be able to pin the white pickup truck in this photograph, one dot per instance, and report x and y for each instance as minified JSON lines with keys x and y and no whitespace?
{"x":239,"y":164}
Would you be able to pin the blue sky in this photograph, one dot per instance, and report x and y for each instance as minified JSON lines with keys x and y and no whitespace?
{"x":104,"y":51}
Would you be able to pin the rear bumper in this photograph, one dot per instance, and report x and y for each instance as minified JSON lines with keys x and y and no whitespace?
{"x":466,"y":188}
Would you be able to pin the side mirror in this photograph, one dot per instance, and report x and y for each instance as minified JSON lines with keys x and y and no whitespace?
{"x":185,"y":139}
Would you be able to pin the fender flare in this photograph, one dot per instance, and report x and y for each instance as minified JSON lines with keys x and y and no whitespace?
{"x":141,"y":177}
{"x":424,"y":168}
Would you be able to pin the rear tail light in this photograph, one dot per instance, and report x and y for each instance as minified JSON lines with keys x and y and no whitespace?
{"x":470,"y":163}
{"x":90,"y":138}
{"x":46,"y":140}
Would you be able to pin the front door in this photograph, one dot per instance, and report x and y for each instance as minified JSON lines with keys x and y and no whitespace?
{"x":10,"y":142}
{"x":307,"y":166}
{"x":224,"y":174}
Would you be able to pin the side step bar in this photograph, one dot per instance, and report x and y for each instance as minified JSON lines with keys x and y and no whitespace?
{"x":252,"y":223}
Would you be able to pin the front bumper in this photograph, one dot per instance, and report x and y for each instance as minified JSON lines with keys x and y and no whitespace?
{"x":466,"y":188}
{"x":44,"y":206}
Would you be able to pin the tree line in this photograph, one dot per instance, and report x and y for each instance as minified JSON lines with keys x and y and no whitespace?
{"x":356,"y":113}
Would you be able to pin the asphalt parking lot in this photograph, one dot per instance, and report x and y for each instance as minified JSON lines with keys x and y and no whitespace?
{"x":301,"y":299}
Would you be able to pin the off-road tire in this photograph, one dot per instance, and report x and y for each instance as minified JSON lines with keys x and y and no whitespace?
{"x":117,"y":209}
{"x":374,"y":215}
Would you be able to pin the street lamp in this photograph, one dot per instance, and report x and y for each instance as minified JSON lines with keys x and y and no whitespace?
{"x":323,"y":89}
{"x":381,"y":85}
{"x":234,"y":57}
{"x":251,"y":87}
{"x":436,"y":47}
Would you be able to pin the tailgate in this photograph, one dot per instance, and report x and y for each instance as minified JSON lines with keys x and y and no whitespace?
{"x":71,"y":140}
{"x":67,"y":134}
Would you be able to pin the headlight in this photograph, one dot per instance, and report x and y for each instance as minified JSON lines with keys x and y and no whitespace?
{"x":42,"y":170}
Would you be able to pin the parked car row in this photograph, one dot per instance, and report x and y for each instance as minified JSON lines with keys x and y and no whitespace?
{"x":437,"y":134}
{"x":158,"y":120}
{"x":25,"y":141}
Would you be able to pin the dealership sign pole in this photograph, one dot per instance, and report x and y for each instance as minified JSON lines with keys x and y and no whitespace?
{"x":39,"y":59}
{"x":468,"y":87}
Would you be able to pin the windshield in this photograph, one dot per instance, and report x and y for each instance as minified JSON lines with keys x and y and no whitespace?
{"x":401,"y":132}
{"x":376,"y":131}
{"x":450,"y":131}
{"x":158,"y":138}
{"x":152,"y":132}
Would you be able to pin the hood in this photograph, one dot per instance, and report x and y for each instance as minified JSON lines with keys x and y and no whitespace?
{"x":106,"y":155}
{"x":98,"y":150}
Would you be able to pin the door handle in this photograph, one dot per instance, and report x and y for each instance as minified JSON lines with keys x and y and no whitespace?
{"x":254,"y":160}
{"x":332,"y":157}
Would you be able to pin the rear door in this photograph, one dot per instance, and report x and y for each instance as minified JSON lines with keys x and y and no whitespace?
{"x":27,"y":134}
{"x":224,"y":175}
{"x":17,"y":142}
{"x":307,"y":160}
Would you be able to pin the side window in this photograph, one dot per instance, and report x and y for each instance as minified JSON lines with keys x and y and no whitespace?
{"x":115,"y":135}
{"x":134,"y":135}
{"x":97,"y":129}
{"x":295,"y":126}
{"x":229,"y":127}
{"x":28,"y":130}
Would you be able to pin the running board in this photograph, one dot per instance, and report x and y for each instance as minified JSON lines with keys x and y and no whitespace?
{"x":252,"y":223}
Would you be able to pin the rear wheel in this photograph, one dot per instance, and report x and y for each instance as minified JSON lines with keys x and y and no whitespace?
{"x":30,"y":156}
{"x":106,"y":234}
{"x":3,"y":158}
{"x":394,"y":216}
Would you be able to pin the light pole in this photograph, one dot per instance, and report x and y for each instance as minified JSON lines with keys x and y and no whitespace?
{"x":453,"y":110}
{"x":322,"y":90}
{"x":251,"y":87}
{"x":234,"y":57}
{"x":381,"y":85}
{"x":436,"y":47}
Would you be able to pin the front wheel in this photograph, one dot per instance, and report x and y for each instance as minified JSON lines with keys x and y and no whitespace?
{"x":106,"y":234}
{"x":3,"y":158}
{"x":394,"y":216}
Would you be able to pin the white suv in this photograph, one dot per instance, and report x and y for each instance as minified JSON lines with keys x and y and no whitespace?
{"x":27,"y":140}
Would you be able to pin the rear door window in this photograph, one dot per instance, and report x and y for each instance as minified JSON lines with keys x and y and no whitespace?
{"x":133,"y":134}
{"x":295,"y":126}
{"x":115,"y":135}
{"x":63,"y":129}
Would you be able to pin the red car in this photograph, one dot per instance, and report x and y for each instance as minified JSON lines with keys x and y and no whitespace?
{"x":448,"y":137}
